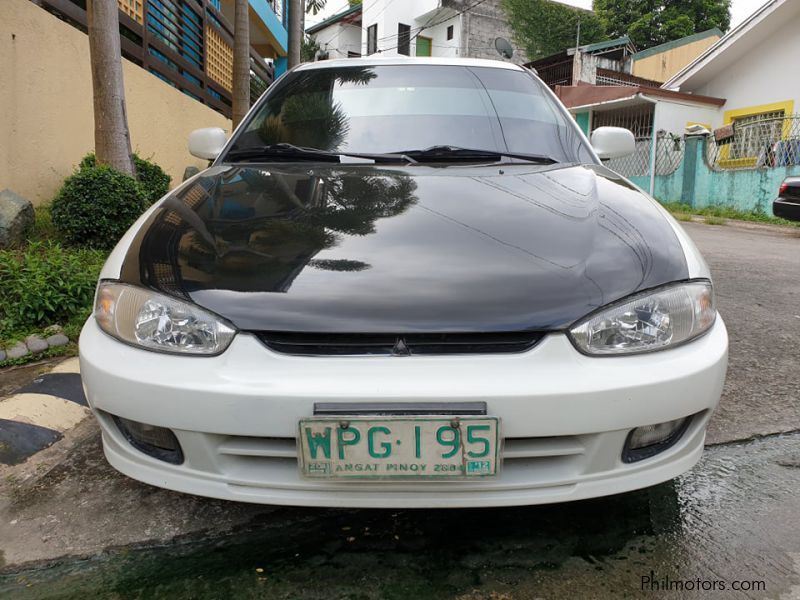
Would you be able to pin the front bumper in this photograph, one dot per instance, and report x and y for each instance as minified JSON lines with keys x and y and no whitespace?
{"x":564,"y":416}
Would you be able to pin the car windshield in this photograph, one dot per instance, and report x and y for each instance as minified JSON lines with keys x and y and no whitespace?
{"x":399,"y":108}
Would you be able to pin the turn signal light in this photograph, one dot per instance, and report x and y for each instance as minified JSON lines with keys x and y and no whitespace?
{"x":158,"y":442}
{"x":647,"y":441}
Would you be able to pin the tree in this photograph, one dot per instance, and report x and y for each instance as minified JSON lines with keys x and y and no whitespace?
{"x":543,"y":27}
{"x":296,"y":11}
{"x":652,"y":22}
{"x":314,"y":6}
{"x":112,"y":139}
{"x":241,"y":61}
{"x":308,"y":49}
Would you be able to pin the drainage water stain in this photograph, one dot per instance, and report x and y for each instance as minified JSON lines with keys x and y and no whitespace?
{"x":734,"y":517}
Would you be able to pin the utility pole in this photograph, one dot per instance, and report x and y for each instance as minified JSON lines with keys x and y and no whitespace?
{"x":296,"y":9}
{"x":241,"y":61}
{"x":112,"y":139}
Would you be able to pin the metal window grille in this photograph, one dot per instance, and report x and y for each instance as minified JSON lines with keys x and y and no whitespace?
{"x":638,"y":119}
{"x":753,"y":132}
{"x":610,"y":77}
{"x":759,"y":141}
{"x":559,"y":73}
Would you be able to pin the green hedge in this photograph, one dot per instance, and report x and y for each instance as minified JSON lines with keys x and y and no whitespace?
{"x":153,"y":178}
{"x":96,"y":205}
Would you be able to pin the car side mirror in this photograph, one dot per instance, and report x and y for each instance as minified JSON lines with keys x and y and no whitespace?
{"x":207,"y":142}
{"x":613,"y":142}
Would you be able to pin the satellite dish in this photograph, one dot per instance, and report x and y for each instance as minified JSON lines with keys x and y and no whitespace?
{"x":503,"y":47}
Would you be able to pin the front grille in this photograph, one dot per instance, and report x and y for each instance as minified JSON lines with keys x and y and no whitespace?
{"x":411,"y":344}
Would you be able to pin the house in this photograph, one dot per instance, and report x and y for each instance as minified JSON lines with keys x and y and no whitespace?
{"x":446,"y":28}
{"x":602,"y":63}
{"x":753,"y":67}
{"x":741,"y":88}
{"x":611,"y":83}
{"x":338,"y":36}
{"x":616,"y":62}
{"x":642,"y":109}
{"x":660,"y":63}
{"x":188,"y":44}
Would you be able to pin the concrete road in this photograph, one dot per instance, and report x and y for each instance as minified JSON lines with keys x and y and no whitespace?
{"x":733,"y":521}
{"x":756,"y":272}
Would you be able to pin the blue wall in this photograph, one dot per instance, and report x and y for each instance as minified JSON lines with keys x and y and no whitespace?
{"x":267,"y":15}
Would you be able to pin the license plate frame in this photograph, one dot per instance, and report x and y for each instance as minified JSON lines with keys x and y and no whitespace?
{"x":470,"y":463}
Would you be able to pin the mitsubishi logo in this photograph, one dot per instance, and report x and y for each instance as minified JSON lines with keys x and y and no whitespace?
{"x":400,"y":348}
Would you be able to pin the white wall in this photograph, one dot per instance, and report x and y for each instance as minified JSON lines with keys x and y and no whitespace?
{"x":440,"y":45}
{"x":673,"y":116}
{"x":338,"y":39}
{"x":415,"y":13}
{"x":765,"y":75}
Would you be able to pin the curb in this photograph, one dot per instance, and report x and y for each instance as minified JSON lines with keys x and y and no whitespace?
{"x":36,"y":415}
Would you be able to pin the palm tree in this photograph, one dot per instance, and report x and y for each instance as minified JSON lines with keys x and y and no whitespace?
{"x":241,"y":61}
{"x":112,"y":139}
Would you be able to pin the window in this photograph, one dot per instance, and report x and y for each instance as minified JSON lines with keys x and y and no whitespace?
{"x":372,"y":39}
{"x":754,"y":132}
{"x":404,"y":39}
{"x":449,"y":32}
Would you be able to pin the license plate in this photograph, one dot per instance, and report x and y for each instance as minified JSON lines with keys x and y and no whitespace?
{"x":399,"y":447}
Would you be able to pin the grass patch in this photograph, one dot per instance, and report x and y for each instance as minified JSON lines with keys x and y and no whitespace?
{"x":716,"y":215}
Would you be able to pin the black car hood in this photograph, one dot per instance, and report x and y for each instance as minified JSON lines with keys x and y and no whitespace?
{"x":358,"y":248}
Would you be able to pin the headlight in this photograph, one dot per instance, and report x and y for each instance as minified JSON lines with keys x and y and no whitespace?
{"x":157,"y":322}
{"x":651,"y":321}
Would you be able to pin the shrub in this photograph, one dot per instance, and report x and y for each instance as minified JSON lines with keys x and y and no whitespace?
{"x":96,"y":205}
{"x":46,"y":284}
{"x":153,"y":178}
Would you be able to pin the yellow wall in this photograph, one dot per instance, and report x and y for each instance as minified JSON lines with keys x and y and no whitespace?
{"x":660,"y":67}
{"x":46,"y":115}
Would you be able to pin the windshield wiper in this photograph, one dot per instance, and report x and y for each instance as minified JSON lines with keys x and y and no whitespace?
{"x":285,"y":151}
{"x":456,"y":153}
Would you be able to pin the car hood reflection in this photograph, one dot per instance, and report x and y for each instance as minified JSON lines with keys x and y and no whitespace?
{"x":356,"y":248}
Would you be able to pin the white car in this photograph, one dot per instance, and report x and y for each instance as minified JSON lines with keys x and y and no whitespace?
{"x":405,"y":283}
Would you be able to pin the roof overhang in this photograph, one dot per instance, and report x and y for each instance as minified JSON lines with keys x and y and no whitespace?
{"x":348,"y":16}
{"x":588,"y":96}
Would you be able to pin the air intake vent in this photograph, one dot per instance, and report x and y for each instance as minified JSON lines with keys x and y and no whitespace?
{"x":413,"y":344}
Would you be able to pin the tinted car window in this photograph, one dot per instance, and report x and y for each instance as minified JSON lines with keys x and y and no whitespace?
{"x":380,"y":109}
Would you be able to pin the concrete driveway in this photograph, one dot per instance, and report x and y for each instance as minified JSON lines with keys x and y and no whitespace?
{"x":730,"y":523}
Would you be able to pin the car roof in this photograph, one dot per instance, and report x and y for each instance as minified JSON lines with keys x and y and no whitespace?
{"x":372,"y":61}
